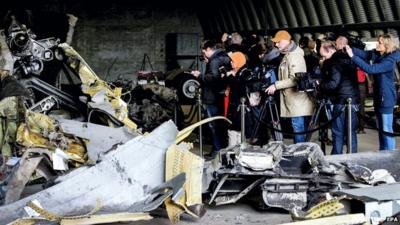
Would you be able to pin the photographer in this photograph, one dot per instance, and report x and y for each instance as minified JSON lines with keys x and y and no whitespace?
{"x":213,"y":89}
{"x":235,"y":79}
{"x":293,"y":104}
{"x":233,"y":43}
{"x":339,"y":82}
{"x":384,"y":59}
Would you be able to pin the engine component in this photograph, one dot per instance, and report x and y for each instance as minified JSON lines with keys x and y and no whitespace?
{"x":44,"y":105}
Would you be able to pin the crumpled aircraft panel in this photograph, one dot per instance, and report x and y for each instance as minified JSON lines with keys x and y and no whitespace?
{"x":115,"y":182}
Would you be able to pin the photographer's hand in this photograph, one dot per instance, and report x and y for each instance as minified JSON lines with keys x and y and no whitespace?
{"x":230,"y":73}
{"x":349,"y":51}
{"x":195,"y":73}
{"x":224,"y":37}
{"x":271,"y":89}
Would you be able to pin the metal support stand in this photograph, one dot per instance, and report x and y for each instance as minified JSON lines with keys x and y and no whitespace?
{"x":176,"y":108}
{"x":323,"y":106}
{"x":199,"y":108}
{"x":242,"y":120}
{"x":349,"y":127}
{"x":269,"y":105}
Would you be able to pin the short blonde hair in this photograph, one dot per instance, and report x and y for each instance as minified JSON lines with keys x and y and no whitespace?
{"x":389,"y":42}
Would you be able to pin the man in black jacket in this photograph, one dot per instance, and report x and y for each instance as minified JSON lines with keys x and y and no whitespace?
{"x":339,"y":82}
{"x":214,"y":89}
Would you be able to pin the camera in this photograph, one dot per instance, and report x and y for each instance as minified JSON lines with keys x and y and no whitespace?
{"x":260,"y":79}
{"x":305,"y":82}
{"x":224,"y":69}
{"x":355,"y":41}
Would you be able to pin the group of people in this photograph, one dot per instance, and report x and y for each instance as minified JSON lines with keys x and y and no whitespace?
{"x":340,"y":68}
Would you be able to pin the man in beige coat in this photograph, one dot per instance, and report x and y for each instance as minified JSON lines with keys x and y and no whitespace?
{"x":293,"y":104}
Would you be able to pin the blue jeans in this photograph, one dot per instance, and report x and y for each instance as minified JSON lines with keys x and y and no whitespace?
{"x":385,"y":121}
{"x":339,"y":128}
{"x":212,"y":111}
{"x":298,"y":124}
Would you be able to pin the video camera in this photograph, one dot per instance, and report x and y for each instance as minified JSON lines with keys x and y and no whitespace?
{"x":355,"y":41}
{"x":305,"y":82}
{"x":260,"y":79}
{"x":223,"y":70}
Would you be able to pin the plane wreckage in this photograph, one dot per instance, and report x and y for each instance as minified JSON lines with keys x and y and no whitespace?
{"x":72,"y":155}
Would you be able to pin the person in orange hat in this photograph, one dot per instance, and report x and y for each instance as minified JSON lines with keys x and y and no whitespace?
{"x":295,"y":105}
{"x":235,"y":91}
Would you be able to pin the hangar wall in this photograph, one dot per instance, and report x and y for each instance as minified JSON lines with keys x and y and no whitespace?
{"x":115,"y":43}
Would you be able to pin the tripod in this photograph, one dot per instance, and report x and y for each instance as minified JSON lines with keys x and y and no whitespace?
{"x":269,"y":105}
{"x":324,"y":106}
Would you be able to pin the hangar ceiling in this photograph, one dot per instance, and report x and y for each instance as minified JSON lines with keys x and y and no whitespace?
{"x":367,"y":18}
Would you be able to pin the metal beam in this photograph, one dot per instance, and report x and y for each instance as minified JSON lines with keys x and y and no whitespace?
{"x":355,"y":26}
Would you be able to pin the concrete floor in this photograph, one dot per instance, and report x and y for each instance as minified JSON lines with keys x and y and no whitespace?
{"x":238,"y":214}
{"x":244,"y":214}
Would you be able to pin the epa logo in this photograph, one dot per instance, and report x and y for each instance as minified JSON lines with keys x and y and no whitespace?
{"x":392,"y":219}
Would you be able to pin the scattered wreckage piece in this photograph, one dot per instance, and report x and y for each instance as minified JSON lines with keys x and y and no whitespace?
{"x":180,"y":160}
{"x":291,"y":177}
{"x":324,"y":209}
{"x":42,"y":131}
{"x":44,"y":105}
{"x":108,"y":218}
{"x":64,"y":99}
{"x":100,"y":139}
{"x":18,"y":180}
{"x":93,"y":219}
{"x":46,"y":216}
{"x":378,"y":202}
{"x":222,"y":200}
{"x":283,"y":174}
{"x":388,"y":160}
{"x":149,"y":104}
{"x":103,"y":96}
{"x":6,"y":58}
{"x":130,"y":190}
{"x":36,"y":160}
{"x":39,"y":65}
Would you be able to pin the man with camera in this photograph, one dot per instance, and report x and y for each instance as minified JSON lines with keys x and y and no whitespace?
{"x":294,"y":105}
{"x":233,"y":43}
{"x":339,"y":82}
{"x":214,"y":89}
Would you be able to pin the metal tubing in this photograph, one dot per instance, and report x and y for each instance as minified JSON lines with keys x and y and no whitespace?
{"x":349,"y":127}
{"x":242,"y":120}
{"x":199,"y":119}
